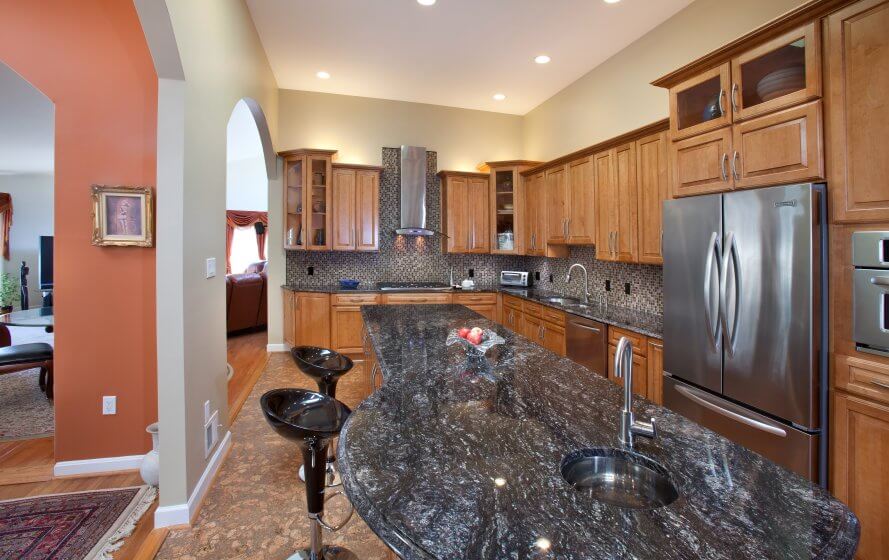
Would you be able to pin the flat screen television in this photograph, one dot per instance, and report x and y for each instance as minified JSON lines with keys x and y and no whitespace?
{"x":44,"y":262}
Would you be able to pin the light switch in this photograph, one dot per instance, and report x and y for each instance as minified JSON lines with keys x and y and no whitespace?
{"x":211,"y":267}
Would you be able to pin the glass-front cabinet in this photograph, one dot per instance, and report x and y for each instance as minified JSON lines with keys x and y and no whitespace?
{"x":700,"y":104}
{"x":307,"y":197}
{"x":508,"y":206}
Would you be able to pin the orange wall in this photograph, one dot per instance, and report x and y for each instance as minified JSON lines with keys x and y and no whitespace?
{"x":91,"y":59}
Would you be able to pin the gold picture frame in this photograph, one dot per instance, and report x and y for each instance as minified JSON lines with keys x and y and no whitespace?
{"x":123,"y":216}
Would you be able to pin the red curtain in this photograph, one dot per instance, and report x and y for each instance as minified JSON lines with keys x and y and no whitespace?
{"x":6,"y":221}
{"x":239,"y":218}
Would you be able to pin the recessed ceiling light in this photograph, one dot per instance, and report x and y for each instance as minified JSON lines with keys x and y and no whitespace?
{"x":612,"y":1}
{"x":323,"y":75}
{"x":542,"y":59}
{"x":425,"y":2}
{"x":499,"y":97}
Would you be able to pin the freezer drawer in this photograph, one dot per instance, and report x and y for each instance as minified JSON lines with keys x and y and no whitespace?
{"x":793,"y":449}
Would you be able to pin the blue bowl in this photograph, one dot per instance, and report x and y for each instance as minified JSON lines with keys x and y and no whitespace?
{"x":349,"y":284}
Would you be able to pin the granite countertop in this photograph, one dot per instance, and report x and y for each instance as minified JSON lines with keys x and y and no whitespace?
{"x":641,"y":322}
{"x":420,"y":456}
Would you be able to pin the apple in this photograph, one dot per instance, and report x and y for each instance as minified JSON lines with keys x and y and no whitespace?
{"x":463,"y":333}
{"x":477,"y":331}
{"x":475,"y":336}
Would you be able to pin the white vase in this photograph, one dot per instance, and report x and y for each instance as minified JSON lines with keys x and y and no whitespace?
{"x":150,"y":468}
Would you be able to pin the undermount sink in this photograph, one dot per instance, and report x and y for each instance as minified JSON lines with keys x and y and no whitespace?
{"x":560,"y":300}
{"x":619,"y":477}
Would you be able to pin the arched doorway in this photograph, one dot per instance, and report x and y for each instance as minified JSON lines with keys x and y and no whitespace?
{"x":250,"y":164}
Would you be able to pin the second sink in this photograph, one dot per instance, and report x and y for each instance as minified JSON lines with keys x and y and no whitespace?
{"x":619,"y":477}
{"x":560,"y":300}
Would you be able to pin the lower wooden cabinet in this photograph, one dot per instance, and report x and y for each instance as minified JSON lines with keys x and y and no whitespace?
{"x":640,"y":371}
{"x":656,"y":371}
{"x":485,"y":304}
{"x":648,"y":363}
{"x":418,"y":298}
{"x":544,"y":328}
{"x":513,"y":319}
{"x":860,"y":468}
{"x":346,"y":323}
{"x":307,"y":319}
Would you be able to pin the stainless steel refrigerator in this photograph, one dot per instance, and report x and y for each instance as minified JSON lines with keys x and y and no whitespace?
{"x":745,"y":319}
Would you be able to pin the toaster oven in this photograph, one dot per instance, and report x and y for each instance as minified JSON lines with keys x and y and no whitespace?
{"x":515,"y":278}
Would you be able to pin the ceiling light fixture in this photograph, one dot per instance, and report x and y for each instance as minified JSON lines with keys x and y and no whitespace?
{"x":542,"y":59}
{"x":425,"y":2}
{"x":323,"y":75}
{"x":499,"y":97}
{"x":612,"y":1}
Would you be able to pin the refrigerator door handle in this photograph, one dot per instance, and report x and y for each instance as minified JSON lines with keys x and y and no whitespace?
{"x":703,"y":399}
{"x":730,"y":254}
{"x":714,"y":332}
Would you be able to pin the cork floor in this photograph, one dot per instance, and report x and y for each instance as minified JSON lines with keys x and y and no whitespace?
{"x":256,"y":507}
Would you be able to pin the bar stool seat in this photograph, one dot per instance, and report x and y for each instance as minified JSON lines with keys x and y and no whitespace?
{"x":311,"y":420}
{"x":323,"y":365}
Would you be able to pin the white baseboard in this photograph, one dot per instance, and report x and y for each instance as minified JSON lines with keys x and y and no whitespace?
{"x":182,"y":514}
{"x":276,"y":348}
{"x":97,"y":466}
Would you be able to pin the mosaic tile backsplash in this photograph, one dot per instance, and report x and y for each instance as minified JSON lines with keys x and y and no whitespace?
{"x":421,"y":259}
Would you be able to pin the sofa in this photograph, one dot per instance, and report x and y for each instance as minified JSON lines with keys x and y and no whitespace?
{"x":246,"y":296}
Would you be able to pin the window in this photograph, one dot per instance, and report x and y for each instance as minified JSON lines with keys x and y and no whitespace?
{"x":244,"y":249}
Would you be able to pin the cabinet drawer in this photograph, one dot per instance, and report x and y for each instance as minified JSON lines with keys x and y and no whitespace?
{"x":404,"y":299}
{"x":532,"y":309}
{"x":512,"y":301}
{"x":640,"y":342}
{"x":862,"y":377}
{"x":476,"y":299}
{"x":355,"y":299}
{"x":554,"y":316}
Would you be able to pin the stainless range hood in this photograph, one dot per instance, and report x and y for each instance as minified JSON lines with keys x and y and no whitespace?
{"x":413,"y":192}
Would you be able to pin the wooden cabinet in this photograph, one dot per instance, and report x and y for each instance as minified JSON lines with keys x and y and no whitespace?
{"x":535,"y":216}
{"x":617,"y":200}
{"x":783,"y":147}
{"x":307,"y":319}
{"x":356,"y":208}
{"x":570,"y":203}
{"x":307,"y":199}
{"x":655,"y":371}
{"x":346,"y":323}
{"x":464,"y":203}
{"x":416,"y":298}
{"x":859,"y":466}
{"x":555,"y":202}
{"x":640,"y":371}
{"x":545,"y":326}
{"x":865,"y":378}
{"x":484,"y":304}
{"x":699,"y":104}
{"x":699,"y":165}
{"x":509,"y":235}
{"x":856,"y":82}
{"x":653,"y":189}
{"x":343,"y":209}
{"x":512,"y":314}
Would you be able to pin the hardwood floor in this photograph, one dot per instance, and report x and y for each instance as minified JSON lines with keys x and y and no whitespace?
{"x":248,"y":356}
{"x":26,"y":460}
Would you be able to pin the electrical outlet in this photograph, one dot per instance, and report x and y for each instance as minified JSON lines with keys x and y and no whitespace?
{"x":472,"y":273}
{"x":627,"y":288}
{"x":550,"y":278}
{"x":310,"y":271}
{"x":537,"y":275}
{"x":109,"y":405}
{"x":211,"y":267}
{"x":608,"y":285}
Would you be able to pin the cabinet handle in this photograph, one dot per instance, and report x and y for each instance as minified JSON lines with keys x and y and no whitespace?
{"x":533,"y":241}
{"x":616,"y":244}
{"x":880,"y":384}
{"x":735,"y":98}
{"x":540,"y":332}
{"x":735,"y":173}
{"x":721,"y":102}
{"x":568,"y":227}
{"x":373,"y":377}
{"x":722,"y":163}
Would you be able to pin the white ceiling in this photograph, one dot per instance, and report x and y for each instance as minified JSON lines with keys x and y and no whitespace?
{"x":27,"y":120}
{"x":457,"y":53}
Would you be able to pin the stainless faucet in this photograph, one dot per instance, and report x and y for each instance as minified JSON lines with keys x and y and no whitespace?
{"x":623,"y":368}
{"x":586,"y":284}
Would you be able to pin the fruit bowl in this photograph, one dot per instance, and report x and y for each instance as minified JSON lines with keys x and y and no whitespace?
{"x":488,"y":341}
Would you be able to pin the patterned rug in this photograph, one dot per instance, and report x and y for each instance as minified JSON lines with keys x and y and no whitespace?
{"x":25,"y":412}
{"x":83,"y":525}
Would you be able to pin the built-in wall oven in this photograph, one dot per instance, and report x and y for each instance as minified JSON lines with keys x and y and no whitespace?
{"x":870,"y":297}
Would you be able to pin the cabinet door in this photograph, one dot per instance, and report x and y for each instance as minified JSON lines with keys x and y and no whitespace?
{"x":857,"y":79}
{"x":655,"y":371}
{"x":581,"y":209}
{"x":487,"y":311}
{"x":783,"y":147}
{"x":312,"y":320}
{"x":512,"y":319}
{"x":343,"y":209}
{"x":506,"y":211}
{"x":289,"y":317}
{"x":606,"y":196}
{"x":553,"y":337}
{"x":318,"y":203}
{"x":294,"y":198}
{"x":556,"y":200}
{"x":535,"y":233}
{"x":700,"y":165}
{"x":346,"y":326}
{"x":699,"y":104}
{"x":477,"y":207}
{"x":532,"y":328}
{"x":860,"y":468}
{"x":640,"y":372}
{"x":653,"y":190}
{"x":367,"y":210}
{"x":626,"y":240}
{"x":457,"y":214}
{"x":783,"y":72}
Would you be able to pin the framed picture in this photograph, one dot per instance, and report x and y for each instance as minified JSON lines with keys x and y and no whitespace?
{"x":123,"y":216}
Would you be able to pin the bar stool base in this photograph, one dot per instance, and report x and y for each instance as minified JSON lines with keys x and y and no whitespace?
{"x":327,"y":553}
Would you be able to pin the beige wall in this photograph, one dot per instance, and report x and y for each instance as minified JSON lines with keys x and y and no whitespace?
{"x":359,"y":127}
{"x":616,"y":97}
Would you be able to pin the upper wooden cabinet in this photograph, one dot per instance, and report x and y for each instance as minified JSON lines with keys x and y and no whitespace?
{"x":699,"y":165}
{"x":856,"y":86}
{"x":555,"y":202}
{"x":581,"y":200}
{"x":535,"y":215}
{"x":699,"y":104}
{"x":464,"y":204}
{"x":653,"y":189}
{"x":617,"y":199}
{"x":307,"y":199}
{"x":508,"y":209}
{"x":356,"y":208}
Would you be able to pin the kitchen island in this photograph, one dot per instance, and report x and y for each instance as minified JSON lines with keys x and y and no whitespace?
{"x":460,"y":458}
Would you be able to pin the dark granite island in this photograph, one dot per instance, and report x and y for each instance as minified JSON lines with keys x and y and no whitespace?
{"x":457,"y":459}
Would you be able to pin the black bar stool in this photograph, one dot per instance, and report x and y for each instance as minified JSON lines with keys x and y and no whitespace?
{"x":312,"y":420}
{"x":325,"y":367}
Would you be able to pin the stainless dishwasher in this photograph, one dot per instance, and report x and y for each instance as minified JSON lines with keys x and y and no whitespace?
{"x":587,"y":344}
